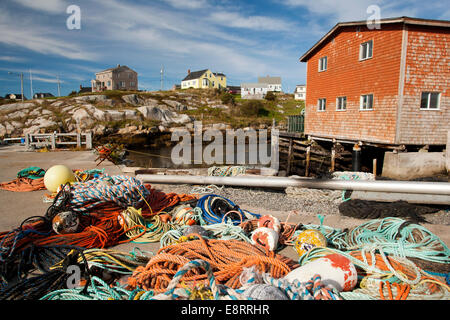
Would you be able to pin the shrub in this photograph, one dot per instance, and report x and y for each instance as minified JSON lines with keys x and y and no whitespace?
{"x":252,"y":108}
{"x":270,"y":96}
{"x":227,"y":98}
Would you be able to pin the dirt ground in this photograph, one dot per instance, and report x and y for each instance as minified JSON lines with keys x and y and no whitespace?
{"x":17,"y":206}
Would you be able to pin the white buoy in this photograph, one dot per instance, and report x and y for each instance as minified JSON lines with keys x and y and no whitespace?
{"x":265,"y":237}
{"x":57,"y":176}
{"x":335,"y":270}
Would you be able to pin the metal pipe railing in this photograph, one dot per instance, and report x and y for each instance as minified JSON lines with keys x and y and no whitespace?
{"x":439,"y":188}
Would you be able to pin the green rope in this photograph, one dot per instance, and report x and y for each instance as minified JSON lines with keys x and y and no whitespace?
{"x":394,"y":236}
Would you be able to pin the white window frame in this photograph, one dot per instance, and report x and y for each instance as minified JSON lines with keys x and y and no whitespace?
{"x":339,"y":106}
{"x":361,"y":102}
{"x":429,"y":93}
{"x":364,"y":50}
{"x":321,"y":104}
{"x":323,"y":67}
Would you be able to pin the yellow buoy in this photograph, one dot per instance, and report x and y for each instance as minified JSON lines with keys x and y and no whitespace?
{"x":56,"y":176}
{"x":309,"y":239}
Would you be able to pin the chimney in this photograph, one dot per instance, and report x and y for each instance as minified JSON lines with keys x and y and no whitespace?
{"x":118,"y":66}
{"x":189,"y":71}
{"x":81,"y":87}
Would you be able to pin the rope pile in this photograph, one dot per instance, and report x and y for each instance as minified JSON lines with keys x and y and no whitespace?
{"x":205,"y":250}
{"x":226,"y":171}
{"x":396,"y":237}
{"x":227,"y":259}
{"x":217,"y":209}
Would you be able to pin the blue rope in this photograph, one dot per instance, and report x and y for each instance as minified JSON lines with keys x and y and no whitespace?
{"x":210,"y":217}
{"x":444,"y":275}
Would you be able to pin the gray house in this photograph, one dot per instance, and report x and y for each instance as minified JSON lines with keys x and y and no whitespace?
{"x":274,"y":83}
{"x":118,"y":78}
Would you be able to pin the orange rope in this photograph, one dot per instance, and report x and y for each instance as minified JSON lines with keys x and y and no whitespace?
{"x":23,"y":185}
{"x":227,"y":258}
{"x":159,"y":201}
{"x":402,"y":290}
{"x":380,"y":264}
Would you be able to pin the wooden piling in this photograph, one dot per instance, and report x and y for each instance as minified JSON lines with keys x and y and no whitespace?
{"x":308,"y":156}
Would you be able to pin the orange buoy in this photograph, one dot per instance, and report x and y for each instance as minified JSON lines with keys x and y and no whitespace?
{"x":269,"y":221}
{"x":334,"y":269}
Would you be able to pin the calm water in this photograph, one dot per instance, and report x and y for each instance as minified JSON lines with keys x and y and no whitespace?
{"x":161,"y":158}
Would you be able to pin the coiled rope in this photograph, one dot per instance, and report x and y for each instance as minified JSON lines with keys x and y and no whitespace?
{"x":226,"y":171}
{"x":227,"y":258}
{"x":223,"y":231}
{"x":394,"y":236}
{"x":215,"y":207}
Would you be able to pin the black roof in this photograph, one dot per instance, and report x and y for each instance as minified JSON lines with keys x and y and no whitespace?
{"x":18,"y":96}
{"x":85,"y":89}
{"x":194,"y":75}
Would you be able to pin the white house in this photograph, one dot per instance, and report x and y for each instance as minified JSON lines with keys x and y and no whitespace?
{"x":300,"y":92}
{"x":254,"y":90}
{"x":274,"y":83}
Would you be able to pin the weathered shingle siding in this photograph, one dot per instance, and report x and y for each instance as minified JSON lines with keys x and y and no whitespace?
{"x":347,"y":76}
{"x":427,"y":69}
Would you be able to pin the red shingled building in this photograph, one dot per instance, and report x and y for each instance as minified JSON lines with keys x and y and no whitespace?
{"x":387,"y":86}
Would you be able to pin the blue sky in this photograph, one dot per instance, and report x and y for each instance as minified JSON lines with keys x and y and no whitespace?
{"x":243,"y":39}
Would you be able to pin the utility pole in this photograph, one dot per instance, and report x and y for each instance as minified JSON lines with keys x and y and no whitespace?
{"x":21,"y":82}
{"x":162,"y":78}
{"x":59,"y":87}
{"x":31,"y":84}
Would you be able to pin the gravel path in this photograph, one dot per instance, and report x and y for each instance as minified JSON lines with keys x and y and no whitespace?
{"x":307,"y":202}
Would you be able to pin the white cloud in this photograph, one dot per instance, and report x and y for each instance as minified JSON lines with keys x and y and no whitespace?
{"x":49,"y":6}
{"x":39,"y":39}
{"x":236,"y":20}
{"x":47,"y":80}
{"x":12,"y":59}
{"x":342,"y":10}
{"x":187,"y":4}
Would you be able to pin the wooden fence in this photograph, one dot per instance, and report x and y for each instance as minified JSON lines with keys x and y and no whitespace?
{"x":58,"y":139}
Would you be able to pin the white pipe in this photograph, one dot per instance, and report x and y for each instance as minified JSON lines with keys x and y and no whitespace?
{"x":441,"y":188}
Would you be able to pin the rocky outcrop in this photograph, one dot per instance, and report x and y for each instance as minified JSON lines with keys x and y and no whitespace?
{"x":164,"y":116}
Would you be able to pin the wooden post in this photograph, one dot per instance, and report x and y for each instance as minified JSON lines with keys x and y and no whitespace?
{"x":89,"y":140}
{"x":374,"y":169}
{"x":78,"y":140}
{"x":274,"y":149}
{"x":27,"y":140}
{"x":53,"y":140}
{"x":333,"y":158}
{"x":308,"y":156}
{"x":447,"y":152}
{"x":290,"y":156}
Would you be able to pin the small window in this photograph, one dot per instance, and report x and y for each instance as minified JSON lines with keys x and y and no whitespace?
{"x":341,"y":103}
{"x":122,"y":84}
{"x":323,"y":64}
{"x":366,"y":50}
{"x":321,"y":104}
{"x":430,"y":100}
{"x":366,"y":102}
